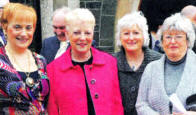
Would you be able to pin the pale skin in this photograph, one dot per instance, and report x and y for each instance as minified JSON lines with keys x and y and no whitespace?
{"x":132,"y":40}
{"x":59,"y":26}
{"x":175,"y":45}
{"x":80,"y":34}
{"x":20,"y":36}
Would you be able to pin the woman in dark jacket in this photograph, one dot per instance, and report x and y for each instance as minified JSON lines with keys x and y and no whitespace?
{"x":132,"y":37}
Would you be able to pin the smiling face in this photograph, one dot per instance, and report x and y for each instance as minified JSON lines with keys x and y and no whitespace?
{"x":132,"y":38}
{"x":20,"y":33}
{"x":175,"y":44}
{"x":80,"y":34}
{"x":19,"y":23}
{"x":59,"y":26}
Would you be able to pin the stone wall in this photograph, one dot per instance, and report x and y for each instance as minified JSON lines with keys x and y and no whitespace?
{"x":104,"y":11}
{"x":46,"y":18}
{"x":47,"y":8}
{"x":59,"y":3}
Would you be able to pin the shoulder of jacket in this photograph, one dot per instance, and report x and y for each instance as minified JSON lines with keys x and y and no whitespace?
{"x":52,"y":38}
{"x":105,"y":55}
{"x":154,"y":55}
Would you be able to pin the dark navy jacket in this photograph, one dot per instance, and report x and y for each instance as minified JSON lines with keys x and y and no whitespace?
{"x":50,"y":47}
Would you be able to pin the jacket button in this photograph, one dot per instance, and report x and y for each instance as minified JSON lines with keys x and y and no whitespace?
{"x":96,"y":96}
{"x":91,"y":67}
{"x":132,"y":104}
{"x":133,"y":89}
{"x":93,"y":81}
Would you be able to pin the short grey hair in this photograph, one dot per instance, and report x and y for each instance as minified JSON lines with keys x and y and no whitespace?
{"x":63,"y":9}
{"x":180,"y":23}
{"x":129,"y":20}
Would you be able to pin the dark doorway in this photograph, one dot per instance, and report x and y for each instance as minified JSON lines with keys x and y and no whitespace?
{"x":156,"y":11}
{"x":36,"y":44}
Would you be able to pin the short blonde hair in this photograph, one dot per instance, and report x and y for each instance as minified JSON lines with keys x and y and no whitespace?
{"x":81,"y":14}
{"x":19,"y":12}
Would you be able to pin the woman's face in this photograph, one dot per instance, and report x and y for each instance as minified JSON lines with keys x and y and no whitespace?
{"x":80,"y":34}
{"x":175,"y":44}
{"x":20,"y":33}
{"x":132,"y":38}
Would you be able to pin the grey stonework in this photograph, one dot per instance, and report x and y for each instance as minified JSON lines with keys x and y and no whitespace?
{"x":59,"y":3}
{"x":104,"y":11}
{"x":47,"y":8}
{"x":46,"y":18}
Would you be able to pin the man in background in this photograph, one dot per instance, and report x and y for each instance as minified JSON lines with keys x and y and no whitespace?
{"x":54,"y":46}
{"x":190,"y":12}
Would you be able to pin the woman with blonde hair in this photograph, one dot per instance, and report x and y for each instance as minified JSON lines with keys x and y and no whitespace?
{"x":24,"y":86}
{"x":83,"y":80}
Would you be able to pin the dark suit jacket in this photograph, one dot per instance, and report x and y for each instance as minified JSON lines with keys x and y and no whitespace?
{"x":50,"y":47}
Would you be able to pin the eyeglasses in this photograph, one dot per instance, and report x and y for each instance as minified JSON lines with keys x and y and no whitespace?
{"x":60,"y":27}
{"x":176,"y":37}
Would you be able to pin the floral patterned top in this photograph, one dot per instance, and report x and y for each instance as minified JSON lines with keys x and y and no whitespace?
{"x":16,"y":97}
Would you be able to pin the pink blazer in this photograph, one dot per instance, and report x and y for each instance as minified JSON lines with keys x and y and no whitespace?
{"x":68,"y":89}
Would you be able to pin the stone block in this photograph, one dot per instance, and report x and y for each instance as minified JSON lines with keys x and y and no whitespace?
{"x":109,"y":7}
{"x":108,"y":49}
{"x":93,"y":5}
{"x":96,"y":13}
{"x":96,"y":38}
{"x":107,"y":27}
{"x":82,"y":5}
{"x":106,"y":42}
{"x":96,"y":29}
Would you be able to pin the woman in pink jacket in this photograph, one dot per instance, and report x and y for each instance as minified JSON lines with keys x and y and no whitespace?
{"x":83,"y":80}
